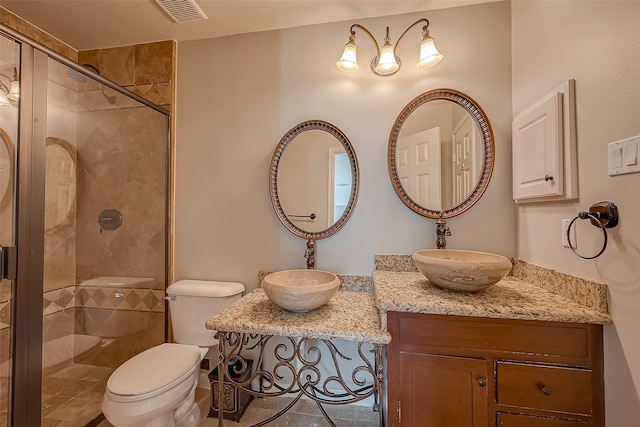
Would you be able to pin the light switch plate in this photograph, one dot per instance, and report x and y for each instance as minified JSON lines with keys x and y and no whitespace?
{"x":624,"y":156}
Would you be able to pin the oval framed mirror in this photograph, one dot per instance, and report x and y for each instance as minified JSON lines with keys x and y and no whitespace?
{"x":313,"y":181}
{"x":441,"y":153}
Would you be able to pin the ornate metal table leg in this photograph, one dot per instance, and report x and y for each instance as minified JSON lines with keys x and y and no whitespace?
{"x":221,"y":371}
{"x":297,"y":371}
{"x":379,"y":393}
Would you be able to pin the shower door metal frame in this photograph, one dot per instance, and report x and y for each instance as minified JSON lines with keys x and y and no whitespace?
{"x":26,"y":313}
{"x":25,"y":386}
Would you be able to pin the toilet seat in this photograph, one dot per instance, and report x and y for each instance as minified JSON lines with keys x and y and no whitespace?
{"x":153,"y":372}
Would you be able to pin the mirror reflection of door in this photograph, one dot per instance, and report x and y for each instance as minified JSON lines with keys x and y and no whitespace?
{"x":466,"y":151}
{"x":304,"y":180}
{"x":340,"y":185}
{"x":419,"y":166}
{"x":465,"y":161}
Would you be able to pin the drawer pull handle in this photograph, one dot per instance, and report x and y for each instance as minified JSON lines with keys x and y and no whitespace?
{"x":544,"y":389}
{"x":482,"y":382}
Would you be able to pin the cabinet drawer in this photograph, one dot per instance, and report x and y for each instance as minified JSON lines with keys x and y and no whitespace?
{"x":516,"y":420}
{"x":423,"y":333}
{"x":549,"y":388}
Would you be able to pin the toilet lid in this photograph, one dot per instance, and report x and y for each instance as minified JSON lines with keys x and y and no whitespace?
{"x":154,"y":369}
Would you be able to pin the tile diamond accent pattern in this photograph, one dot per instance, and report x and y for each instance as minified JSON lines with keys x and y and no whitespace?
{"x":150,"y":300}
{"x":133,"y":299}
{"x":99,"y":297}
{"x":117,"y":298}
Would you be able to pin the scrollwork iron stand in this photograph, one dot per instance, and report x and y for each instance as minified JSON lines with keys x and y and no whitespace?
{"x":296,"y":371}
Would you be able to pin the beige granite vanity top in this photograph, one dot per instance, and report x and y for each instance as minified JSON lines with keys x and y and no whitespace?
{"x":511,"y":298}
{"x":358,"y":311}
{"x":350,"y":316}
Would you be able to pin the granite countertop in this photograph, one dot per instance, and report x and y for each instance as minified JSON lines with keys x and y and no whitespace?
{"x":358,"y":311}
{"x":511,"y":298}
{"x":349,"y":316}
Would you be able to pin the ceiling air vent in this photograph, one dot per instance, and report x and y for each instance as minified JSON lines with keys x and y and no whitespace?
{"x":182,"y":10}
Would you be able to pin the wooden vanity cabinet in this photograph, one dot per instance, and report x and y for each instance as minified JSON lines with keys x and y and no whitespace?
{"x":457,"y":371}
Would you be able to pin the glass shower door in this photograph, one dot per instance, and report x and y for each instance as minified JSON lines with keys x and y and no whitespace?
{"x":83,"y":216}
{"x":9,"y":66}
{"x":105,"y":232}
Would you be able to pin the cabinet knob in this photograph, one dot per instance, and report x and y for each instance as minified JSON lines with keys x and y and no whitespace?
{"x":544,"y":389}
{"x":482,"y":382}
{"x":548,"y":178}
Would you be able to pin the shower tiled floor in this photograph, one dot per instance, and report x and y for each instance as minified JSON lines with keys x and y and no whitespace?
{"x":72,"y":396}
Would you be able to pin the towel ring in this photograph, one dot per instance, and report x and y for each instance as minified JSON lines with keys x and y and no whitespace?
{"x":603,"y":215}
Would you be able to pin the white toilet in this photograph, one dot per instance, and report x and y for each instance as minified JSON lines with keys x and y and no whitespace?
{"x":156,"y":388}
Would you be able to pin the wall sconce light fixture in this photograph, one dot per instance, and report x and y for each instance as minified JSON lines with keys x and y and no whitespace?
{"x":386,"y":62}
{"x":9,"y":91}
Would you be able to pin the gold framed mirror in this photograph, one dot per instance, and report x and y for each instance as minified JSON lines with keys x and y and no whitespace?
{"x":441,"y":153}
{"x":313,"y":180}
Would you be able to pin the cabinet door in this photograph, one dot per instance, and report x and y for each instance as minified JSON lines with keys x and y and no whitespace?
{"x":538,"y":149}
{"x":443,"y":391}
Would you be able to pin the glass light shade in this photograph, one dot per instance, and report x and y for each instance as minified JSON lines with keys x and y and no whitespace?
{"x":429,"y":55}
{"x":14,"y":93}
{"x":4,"y":101}
{"x":387,"y":63}
{"x":348,"y":61}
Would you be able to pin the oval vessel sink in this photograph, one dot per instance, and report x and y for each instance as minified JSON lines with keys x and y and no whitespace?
{"x":461,"y":271}
{"x":300,"y":290}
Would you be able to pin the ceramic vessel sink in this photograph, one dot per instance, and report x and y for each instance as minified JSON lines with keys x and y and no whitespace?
{"x":461,"y":271}
{"x":300,"y":290}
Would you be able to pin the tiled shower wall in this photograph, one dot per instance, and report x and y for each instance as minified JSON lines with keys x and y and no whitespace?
{"x":119,"y":166}
{"x":144,"y":69}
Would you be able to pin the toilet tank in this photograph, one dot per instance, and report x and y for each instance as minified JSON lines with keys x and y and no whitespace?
{"x":193,"y":302}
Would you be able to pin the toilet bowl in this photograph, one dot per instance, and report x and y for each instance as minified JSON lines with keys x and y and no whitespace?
{"x":149,"y":386}
{"x":156,"y":388}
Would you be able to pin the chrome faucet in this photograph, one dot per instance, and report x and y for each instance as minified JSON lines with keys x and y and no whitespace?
{"x":310,"y":254}
{"x":442,"y":230}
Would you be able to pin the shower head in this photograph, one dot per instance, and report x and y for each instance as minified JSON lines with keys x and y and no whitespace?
{"x":75,"y":75}
{"x":110,"y":99}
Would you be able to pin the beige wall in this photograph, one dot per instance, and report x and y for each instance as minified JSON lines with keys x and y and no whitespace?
{"x":596,"y":43}
{"x":237,"y":96}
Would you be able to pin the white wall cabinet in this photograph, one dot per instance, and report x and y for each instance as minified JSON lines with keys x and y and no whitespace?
{"x":544,"y":148}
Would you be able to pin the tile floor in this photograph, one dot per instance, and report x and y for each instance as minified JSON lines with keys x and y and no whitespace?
{"x":304,"y":413}
{"x":71,"y":397}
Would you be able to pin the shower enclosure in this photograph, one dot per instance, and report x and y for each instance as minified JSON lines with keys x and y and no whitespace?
{"x":84,"y":176}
